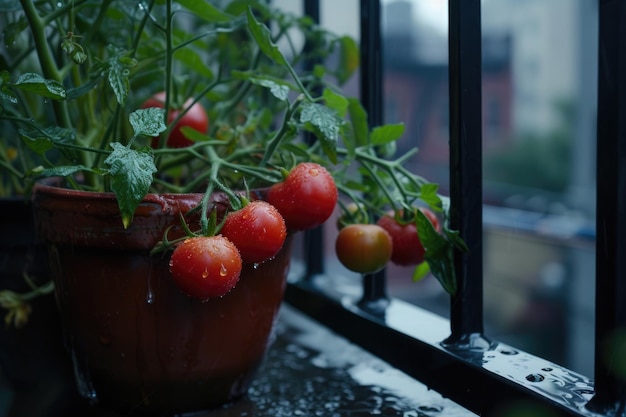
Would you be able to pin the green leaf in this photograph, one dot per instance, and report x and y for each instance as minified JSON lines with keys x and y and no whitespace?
{"x":358,"y":119}
{"x":148,"y":122}
{"x":336,"y":102}
{"x":278,"y":90}
{"x":131,"y":176}
{"x":205,"y":10}
{"x":428,"y":194}
{"x":5,"y":91}
{"x":118,"y":71}
{"x":194,"y":62}
{"x":13,"y":30}
{"x":44,"y":140}
{"x":348,"y":59}
{"x":326,"y":125}
{"x":35,"y":83}
{"x":84,"y":88}
{"x":382,"y":135}
{"x":439,"y":253}
{"x":263,"y":38}
{"x":59,"y":171}
{"x":421,"y":271}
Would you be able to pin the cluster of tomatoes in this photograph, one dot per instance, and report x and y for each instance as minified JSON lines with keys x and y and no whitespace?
{"x":367,"y":248}
{"x":209,"y":266}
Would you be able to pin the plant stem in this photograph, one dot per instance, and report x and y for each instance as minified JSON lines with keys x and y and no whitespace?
{"x":275,"y":141}
{"x":48,"y":65}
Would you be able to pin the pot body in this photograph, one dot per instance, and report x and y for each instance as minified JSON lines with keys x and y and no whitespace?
{"x":137,"y":342}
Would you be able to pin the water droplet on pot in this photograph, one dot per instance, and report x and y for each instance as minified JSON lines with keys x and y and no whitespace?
{"x":509,"y":352}
{"x":535,"y":378}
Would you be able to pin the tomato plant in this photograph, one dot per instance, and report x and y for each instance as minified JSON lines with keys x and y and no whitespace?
{"x":257,"y":230}
{"x":306,"y":198}
{"x":205,"y":267}
{"x":407,"y":247}
{"x":363,"y":248}
{"x":195,"y":118}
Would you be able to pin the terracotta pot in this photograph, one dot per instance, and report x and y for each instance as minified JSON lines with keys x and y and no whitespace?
{"x":138,"y":343}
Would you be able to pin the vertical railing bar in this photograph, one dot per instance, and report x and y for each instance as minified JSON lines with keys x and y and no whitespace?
{"x":610,"y":387}
{"x":465,"y":75}
{"x":314,"y":238}
{"x":374,"y":297}
{"x":371,"y":69}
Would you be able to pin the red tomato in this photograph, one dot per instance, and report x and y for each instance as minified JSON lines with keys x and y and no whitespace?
{"x":306,"y":198}
{"x":363,"y":248}
{"x":407,"y":248}
{"x":257,"y":230}
{"x":195,"y":118}
{"x":206,"y":267}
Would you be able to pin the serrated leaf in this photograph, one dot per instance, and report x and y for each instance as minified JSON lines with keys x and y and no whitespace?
{"x":428,"y":194}
{"x":131,"y":176}
{"x":381,"y":135}
{"x":205,"y":10}
{"x":118,"y":71}
{"x":280,"y":91}
{"x":335,"y":101}
{"x":35,"y":83}
{"x":326,"y":126}
{"x":323,"y":118}
{"x":263,"y":38}
{"x":148,"y":122}
{"x":118,"y":80}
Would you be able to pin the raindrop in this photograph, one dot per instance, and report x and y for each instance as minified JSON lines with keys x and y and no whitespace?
{"x":150,"y":292}
{"x":509,"y":352}
{"x":535,"y":377}
{"x":430,"y":408}
{"x":547,"y":369}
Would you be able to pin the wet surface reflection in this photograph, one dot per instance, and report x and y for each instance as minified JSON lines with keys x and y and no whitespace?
{"x":310,"y":371}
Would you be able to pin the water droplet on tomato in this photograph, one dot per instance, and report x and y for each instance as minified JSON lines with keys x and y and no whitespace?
{"x":205,"y":273}
{"x":223,"y":270}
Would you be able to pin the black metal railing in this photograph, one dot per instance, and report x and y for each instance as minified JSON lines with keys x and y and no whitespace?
{"x":483,"y":375}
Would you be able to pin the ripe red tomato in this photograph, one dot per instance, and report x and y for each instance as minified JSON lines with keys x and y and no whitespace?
{"x":195,"y":118}
{"x":206,"y":267}
{"x":363,"y":248}
{"x":306,"y":198}
{"x":257,"y":230}
{"x":407,"y":248}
